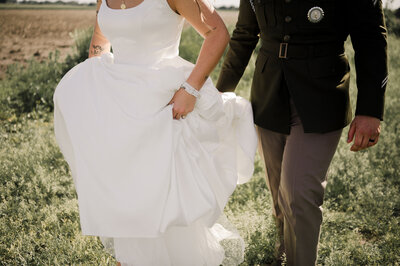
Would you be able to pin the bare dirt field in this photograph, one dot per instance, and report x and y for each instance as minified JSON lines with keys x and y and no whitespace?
{"x":27,"y":33}
{"x":35,"y":33}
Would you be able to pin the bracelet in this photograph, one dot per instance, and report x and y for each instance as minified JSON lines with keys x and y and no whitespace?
{"x":191,"y":90}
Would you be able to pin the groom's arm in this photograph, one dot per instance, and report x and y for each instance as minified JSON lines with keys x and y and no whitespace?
{"x":369,"y":38}
{"x":243,"y":41}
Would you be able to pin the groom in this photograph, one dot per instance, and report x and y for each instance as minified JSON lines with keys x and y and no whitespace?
{"x":300,"y":99}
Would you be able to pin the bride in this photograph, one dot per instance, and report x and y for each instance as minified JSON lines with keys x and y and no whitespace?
{"x":154,"y":149}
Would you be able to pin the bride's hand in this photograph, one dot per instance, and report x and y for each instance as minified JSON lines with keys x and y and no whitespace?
{"x":183,"y":103}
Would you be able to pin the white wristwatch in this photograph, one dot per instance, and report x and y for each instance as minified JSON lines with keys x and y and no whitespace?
{"x":189,"y":89}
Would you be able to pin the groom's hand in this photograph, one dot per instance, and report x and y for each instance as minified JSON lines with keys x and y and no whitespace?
{"x":365,"y":131}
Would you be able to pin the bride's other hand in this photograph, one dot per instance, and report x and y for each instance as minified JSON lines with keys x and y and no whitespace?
{"x":183,"y":103}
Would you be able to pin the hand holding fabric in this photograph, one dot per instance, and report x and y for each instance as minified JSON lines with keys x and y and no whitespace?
{"x":183,"y":103}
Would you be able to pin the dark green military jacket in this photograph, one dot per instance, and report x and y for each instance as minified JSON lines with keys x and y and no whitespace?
{"x":302,"y":57}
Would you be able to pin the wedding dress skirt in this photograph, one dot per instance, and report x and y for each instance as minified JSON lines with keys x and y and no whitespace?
{"x":153,"y":188}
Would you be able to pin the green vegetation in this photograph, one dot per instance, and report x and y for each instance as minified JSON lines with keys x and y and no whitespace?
{"x":39,"y":221}
{"x":393,"y":21}
{"x":31,"y":88}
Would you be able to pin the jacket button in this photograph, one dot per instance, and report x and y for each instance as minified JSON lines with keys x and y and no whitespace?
{"x":288,"y":19}
{"x":286,"y":38}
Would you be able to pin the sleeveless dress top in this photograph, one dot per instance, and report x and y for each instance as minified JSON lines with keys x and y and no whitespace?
{"x":153,"y":188}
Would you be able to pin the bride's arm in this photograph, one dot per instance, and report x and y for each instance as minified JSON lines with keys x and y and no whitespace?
{"x":203,"y":17}
{"x":99,"y":43}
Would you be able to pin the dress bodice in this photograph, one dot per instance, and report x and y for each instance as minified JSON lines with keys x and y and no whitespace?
{"x":141,"y":35}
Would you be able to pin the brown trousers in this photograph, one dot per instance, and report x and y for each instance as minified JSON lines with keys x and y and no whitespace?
{"x":296,"y":167}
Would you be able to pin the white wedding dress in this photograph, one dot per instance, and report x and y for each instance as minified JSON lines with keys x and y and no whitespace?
{"x":153,"y":188}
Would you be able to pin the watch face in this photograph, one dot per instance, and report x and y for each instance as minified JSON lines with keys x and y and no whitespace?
{"x":315,"y":14}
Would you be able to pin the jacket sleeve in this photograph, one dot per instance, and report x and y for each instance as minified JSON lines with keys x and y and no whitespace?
{"x":243,"y":41}
{"x":369,"y":38}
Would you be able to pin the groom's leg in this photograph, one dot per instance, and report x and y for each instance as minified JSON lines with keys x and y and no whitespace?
{"x":306,"y":159}
{"x":271,"y":147}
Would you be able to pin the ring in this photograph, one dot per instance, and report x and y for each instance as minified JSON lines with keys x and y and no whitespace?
{"x":371,"y":140}
{"x":183,"y":116}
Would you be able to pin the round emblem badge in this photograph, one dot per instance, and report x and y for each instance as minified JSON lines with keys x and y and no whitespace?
{"x":315,"y":14}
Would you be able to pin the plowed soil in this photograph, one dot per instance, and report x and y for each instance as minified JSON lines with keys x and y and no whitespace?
{"x":35,"y":33}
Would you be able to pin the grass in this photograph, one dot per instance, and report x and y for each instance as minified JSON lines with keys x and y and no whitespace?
{"x":39,"y":221}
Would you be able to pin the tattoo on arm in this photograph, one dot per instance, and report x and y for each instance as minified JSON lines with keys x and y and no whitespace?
{"x":97,"y":49}
{"x":208,"y":32}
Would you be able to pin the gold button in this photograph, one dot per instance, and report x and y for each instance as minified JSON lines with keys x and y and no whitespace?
{"x":286,"y":38}
{"x":288,"y":19}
